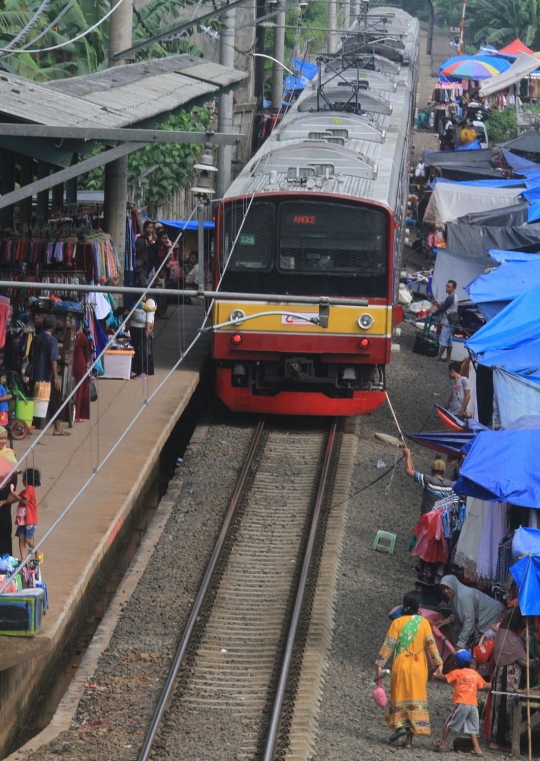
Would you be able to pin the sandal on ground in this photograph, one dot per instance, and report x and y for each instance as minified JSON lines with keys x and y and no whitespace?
{"x":397,"y":734}
{"x":62,"y":433}
{"x":475,"y":753}
{"x":437,"y":748}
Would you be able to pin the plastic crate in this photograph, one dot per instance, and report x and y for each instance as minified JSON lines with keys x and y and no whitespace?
{"x":21,"y":612}
{"x":117,"y":364}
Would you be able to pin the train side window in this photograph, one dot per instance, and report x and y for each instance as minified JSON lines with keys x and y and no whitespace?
{"x":254,"y":238}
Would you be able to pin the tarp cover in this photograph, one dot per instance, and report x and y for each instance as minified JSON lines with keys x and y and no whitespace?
{"x":517,"y":324}
{"x":451,"y":200}
{"x":458,"y":159}
{"x":476,"y":239}
{"x":496,"y":469}
{"x":528,"y":142}
{"x":515,"y":48}
{"x":526,"y":573}
{"x":518,"y":162}
{"x":523,"y":65}
{"x":522,"y":360}
{"x":493,"y":291}
{"x":515,"y":396}
{"x":446,"y":442}
{"x":459,"y":267}
{"x":499,"y":255}
{"x":508,"y":216}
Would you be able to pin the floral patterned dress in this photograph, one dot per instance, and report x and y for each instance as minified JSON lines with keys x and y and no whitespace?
{"x":407,"y":640}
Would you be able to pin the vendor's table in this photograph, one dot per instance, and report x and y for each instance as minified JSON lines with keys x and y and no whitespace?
{"x":518,"y":725}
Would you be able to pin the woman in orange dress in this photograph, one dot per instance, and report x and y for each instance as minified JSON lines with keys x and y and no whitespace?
{"x":407,"y":640}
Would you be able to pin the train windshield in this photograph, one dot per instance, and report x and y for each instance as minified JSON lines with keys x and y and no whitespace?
{"x":330,"y":239}
{"x":305,"y":247}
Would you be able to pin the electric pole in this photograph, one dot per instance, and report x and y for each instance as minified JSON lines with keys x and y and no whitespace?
{"x":332,"y":25}
{"x":225,"y":102}
{"x":116,"y":172}
{"x":279,"y":55}
{"x":346,"y":15}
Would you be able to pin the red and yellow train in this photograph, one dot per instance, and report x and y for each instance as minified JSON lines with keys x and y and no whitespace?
{"x":318,"y":212}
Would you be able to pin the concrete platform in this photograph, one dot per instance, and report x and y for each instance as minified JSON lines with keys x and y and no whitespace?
{"x":76,"y":550}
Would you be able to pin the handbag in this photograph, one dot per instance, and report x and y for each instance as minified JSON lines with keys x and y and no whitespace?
{"x":93,"y":390}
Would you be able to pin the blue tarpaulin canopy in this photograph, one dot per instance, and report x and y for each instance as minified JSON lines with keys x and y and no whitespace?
{"x":500,"y":256}
{"x":191,"y":225}
{"x":474,"y":146}
{"x":518,"y":162}
{"x":306,"y":72}
{"x":493,"y":291}
{"x":526,"y":573}
{"x":516,"y":325}
{"x":502,"y":466}
{"x":523,"y":360}
{"x":447,"y":442}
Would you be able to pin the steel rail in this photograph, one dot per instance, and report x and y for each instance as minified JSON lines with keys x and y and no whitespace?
{"x":287,"y":658}
{"x":201,"y":596}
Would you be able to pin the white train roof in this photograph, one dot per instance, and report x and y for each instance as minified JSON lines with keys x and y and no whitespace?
{"x":336,"y":152}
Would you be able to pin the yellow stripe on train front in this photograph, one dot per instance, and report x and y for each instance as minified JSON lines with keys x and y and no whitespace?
{"x":342,"y":319}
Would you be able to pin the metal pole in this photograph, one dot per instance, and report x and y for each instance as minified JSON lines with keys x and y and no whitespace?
{"x":332,"y":25}
{"x":529,"y":738}
{"x":279,"y":55}
{"x":430,"y":28}
{"x":116,"y":173}
{"x":226,"y":101}
{"x":346,"y":15}
{"x":201,"y":205}
{"x":462,"y":29}
{"x":223,"y":295}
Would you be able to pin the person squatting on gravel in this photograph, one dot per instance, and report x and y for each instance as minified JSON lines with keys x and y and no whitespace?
{"x":434,"y":487}
{"x":464,"y":717}
{"x":407,"y":640}
{"x":474,"y":611}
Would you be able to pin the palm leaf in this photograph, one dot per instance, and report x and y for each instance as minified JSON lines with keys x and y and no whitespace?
{"x":11,"y":22}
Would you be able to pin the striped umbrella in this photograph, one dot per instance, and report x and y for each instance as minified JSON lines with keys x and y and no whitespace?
{"x":473,"y":67}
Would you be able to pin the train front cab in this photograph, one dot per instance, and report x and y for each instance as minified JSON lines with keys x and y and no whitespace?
{"x":279,"y":361}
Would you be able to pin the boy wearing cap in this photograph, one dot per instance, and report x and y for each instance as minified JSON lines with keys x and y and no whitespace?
{"x":464,"y":717}
{"x":434,"y":487}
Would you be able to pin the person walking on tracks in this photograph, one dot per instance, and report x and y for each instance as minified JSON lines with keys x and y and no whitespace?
{"x":407,"y":640}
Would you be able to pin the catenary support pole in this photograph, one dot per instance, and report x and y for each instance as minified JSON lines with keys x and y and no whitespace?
{"x":71,"y":185}
{"x":332,"y":25}
{"x":346,"y":15}
{"x":279,"y":55}
{"x":26,"y":164}
{"x":201,"y":205}
{"x":42,"y":205}
{"x":115,"y":185}
{"x":226,"y":101}
{"x":7,"y":185}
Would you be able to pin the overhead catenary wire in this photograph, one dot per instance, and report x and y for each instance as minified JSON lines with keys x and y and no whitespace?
{"x":27,"y":28}
{"x":68,"y":42}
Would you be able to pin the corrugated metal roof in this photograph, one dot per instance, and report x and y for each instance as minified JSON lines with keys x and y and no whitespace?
{"x":151,"y":96}
{"x":115,"y":97}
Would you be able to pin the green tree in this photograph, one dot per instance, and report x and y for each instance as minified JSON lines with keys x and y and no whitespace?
{"x":501,"y":21}
{"x":161,"y":168}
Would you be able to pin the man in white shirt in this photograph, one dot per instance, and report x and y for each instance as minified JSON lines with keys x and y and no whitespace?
{"x":461,"y":391}
{"x":192,"y":277}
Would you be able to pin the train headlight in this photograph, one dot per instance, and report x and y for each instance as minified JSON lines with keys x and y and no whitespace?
{"x":365,"y":321}
{"x":237,"y":315}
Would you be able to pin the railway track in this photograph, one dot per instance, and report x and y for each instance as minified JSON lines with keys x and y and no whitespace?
{"x":235,"y":689}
